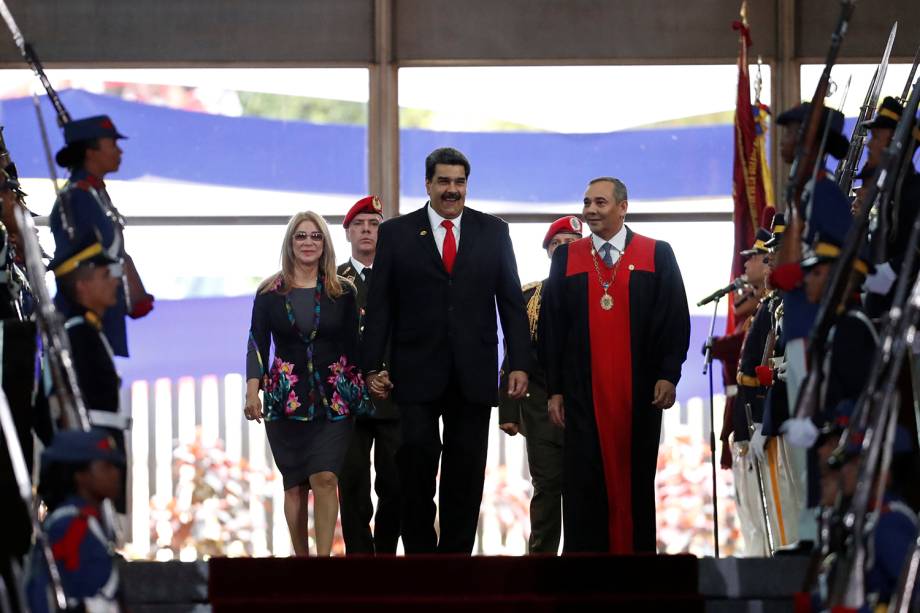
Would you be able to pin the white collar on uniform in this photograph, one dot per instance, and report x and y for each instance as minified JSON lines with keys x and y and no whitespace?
{"x":436,"y":219}
{"x":358,"y":266}
{"x":618,"y":241}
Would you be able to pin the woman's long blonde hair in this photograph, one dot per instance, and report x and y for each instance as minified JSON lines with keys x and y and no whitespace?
{"x":283,"y":280}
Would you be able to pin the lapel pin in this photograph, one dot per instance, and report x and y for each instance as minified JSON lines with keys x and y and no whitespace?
{"x":423,"y":233}
{"x":632,"y":266}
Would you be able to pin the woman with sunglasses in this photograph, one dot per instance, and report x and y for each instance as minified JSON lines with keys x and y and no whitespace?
{"x":311,"y":386}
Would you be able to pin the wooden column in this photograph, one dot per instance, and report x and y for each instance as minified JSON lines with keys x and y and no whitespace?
{"x":786,"y":91}
{"x":383,"y":112}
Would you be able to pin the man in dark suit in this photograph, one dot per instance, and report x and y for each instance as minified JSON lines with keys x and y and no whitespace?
{"x":439,"y":274}
{"x":379,"y":430}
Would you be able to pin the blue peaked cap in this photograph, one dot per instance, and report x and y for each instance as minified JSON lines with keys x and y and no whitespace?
{"x":90,"y":128}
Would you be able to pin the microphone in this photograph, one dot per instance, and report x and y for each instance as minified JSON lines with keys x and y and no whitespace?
{"x":736,"y":284}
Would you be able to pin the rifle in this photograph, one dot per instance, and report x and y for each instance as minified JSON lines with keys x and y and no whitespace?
{"x":54,"y":336}
{"x":904,"y":592}
{"x":63,"y":117}
{"x":910,"y":77}
{"x":807,"y":145}
{"x":24,"y":485}
{"x":888,"y":234}
{"x":846,"y":169}
{"x":879,"y":189}
{"x":31,"y":58}
{"x":848,"y":588}
{"x":56,"y":342}
{"x":876,"y":408}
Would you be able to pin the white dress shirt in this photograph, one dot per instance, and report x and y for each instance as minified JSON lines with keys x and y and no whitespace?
{"x":439,"y":231}
{"x":618,"y":242}
{"x":359,"y":267}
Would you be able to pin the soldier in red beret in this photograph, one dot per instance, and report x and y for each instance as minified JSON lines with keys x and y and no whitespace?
{"x":379,"y":431}
{"x":529,"y":417}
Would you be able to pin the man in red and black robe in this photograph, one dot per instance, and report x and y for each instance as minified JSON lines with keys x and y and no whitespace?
{"x":615,"y":328}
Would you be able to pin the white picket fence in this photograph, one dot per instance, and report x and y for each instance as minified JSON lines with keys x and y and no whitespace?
{"x":182,"y":413}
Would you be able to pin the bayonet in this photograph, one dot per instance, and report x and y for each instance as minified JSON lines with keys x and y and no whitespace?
{"x":846,"y":169}
{"x":910,"y":77}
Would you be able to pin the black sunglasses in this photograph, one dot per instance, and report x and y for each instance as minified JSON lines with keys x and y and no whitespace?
{"x":316,"y":237}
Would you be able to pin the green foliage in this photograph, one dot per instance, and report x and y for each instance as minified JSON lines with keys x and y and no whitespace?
{"x":325,"y":110}
{"x":297,"y":108}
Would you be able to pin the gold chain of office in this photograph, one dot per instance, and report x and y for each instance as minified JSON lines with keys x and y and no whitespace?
{"x":607,"y":299}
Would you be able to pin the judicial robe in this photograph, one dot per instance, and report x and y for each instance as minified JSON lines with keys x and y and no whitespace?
{"x":605,"y":363}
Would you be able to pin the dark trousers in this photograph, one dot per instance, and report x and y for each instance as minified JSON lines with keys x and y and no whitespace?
{"x":463,"y":462}
{"x":355,"y":488}
{"x":545,"y":460}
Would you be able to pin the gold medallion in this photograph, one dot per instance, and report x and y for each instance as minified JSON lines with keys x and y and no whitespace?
{"x":606,"y":302}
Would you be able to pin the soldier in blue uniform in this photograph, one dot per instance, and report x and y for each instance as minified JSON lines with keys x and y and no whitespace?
{"x":776,"y":404}
{"x":80,"y":470}
{"x":378,"y":431}
{"x":88,"y":278}
{"x":529,"y":416}
{"x":889,"y":239}
{"x":92,"y":152}
{"x":821,"y":195}
{"x":851,"y":338}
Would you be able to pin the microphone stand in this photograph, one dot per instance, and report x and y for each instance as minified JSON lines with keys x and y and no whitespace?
{"x":707,"y":369}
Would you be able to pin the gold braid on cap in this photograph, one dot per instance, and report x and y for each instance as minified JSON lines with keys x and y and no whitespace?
{"x":533,"y":309}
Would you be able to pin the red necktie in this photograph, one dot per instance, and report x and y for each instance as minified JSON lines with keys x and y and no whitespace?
{"x":449,"y":250}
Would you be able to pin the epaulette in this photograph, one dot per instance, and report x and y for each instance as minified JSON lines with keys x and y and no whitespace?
{"x":531,"y":286}
{"x":348,"y":282}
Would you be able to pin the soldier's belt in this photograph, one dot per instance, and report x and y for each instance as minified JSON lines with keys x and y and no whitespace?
{"x":748,"y":381}
{"x":108,"y":419}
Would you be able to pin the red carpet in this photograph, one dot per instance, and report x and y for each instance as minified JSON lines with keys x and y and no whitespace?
{"x":457,"y":583}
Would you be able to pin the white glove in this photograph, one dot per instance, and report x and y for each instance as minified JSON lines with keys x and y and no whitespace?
{"x":779,"y":367}
{"x":880,"y":281}
{"x":758,"y":443}
{"x":800,"y":431}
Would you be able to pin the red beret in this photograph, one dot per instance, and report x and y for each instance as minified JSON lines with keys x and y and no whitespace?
{"x":369,"y":204}
{"x":570,"y":224}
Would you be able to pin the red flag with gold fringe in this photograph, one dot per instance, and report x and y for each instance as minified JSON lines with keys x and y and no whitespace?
{"x":751,"y":184}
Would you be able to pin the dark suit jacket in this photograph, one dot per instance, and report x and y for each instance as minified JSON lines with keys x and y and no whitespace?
{"x":444,"y":324}
{"x":337,"y":337}
{"x":383,"y":409}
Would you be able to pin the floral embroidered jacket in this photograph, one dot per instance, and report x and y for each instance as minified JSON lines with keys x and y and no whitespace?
{"x":286,"y":381}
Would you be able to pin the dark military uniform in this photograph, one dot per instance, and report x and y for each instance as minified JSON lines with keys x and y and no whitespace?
{"x":77,"y":534}
{"x":544,"y":441}
{"x":91,"y":351}
{"x":891,"y":229}
{"x":91,"y":210}
{"x":751,"y":390}
{"x":99,"y":381}
{"x":84,"y":207}
{"x":379,"y":431}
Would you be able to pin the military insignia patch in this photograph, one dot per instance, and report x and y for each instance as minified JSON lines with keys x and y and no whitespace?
{"x":376,"y":204}
{"x":575,"y":223}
